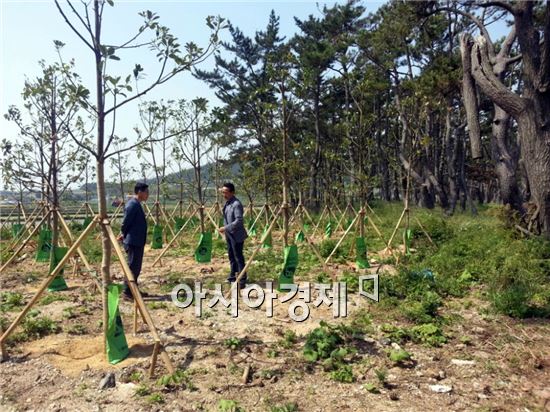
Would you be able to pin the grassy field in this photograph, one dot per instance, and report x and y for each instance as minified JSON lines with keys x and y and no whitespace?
{"x":462,"y":324}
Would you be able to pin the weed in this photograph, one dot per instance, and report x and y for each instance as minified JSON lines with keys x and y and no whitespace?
{"x":233,"y":343}
{"x":10,"y":301}
{"x":226,"y":405}
{"x":343,"y":374}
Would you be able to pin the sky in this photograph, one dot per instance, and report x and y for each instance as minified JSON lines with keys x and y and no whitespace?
{"x":28,"y":29}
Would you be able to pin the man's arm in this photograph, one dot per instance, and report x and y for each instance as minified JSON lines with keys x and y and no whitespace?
{"x":231,"y":227}
{"x":129,"y":217}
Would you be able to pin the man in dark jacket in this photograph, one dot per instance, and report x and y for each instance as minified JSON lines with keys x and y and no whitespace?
{"x":235,"y":233}
{"x":134,"y":233}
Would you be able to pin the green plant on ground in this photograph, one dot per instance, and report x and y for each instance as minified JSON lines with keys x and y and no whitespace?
{"x":227,"y":405}
{"x":155,"y":398}
{"x":343,"y":374}
{"x":399,"y":356}
{"x":53,"y":297}
{"x":233,"y":343}
{"x":287,"y":407}
{"x":10,"y":301}
{"x":178,"y":380}
{"x":289,"y":339}
{"x":428,"y":334}
{"x":77,"y":329}
{"x":143,"y":390}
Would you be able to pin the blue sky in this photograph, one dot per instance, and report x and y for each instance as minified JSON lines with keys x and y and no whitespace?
{"x":28,"y":29}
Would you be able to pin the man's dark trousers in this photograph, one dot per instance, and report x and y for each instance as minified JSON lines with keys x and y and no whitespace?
{"x":236,"y":259}
{"x":135,"y":259}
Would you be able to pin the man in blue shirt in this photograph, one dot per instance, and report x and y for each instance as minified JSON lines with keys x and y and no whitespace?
{"x":235,"y":233}
{"x":134,"y":233}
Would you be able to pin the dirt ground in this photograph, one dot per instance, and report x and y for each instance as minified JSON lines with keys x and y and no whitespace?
{"x":490,"y":363}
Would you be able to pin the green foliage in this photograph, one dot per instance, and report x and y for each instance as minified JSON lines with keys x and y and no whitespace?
{"x":53,"y":297}
{"x":35,"y":326}
{"x":428,"y":334}
{"x":227,"y":405}
{"x":327,"y":246}
{"x":233,"y":343}
{"x":143,"y":390}
{"x":381,"y":375}
{"x":10,"y":301}
{"x":399,"y":356}
{"x":289,"y":339}
{"x":287,"y":407}
{"x":178,"y":380}
{"x":343,"y":374}
{"x":155,"y":398}
{"x":371,"y":387}
{"x":321,"y":342}
{"x":351,"y":280}
{"x":77,"y":329}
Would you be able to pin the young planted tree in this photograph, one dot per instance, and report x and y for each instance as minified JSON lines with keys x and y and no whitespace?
{"x":112,"y":92}
{"x":44,"y":155}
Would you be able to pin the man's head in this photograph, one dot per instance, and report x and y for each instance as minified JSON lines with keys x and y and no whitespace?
{"x":142,"y":191}
{"x":228,"y":190}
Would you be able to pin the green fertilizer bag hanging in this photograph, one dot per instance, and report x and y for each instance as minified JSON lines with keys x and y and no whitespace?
{"x":361,"y":259}
{"x":203,"y":252}
{"x":157,"y":237}
{"x":86,"y":222}
{"x":289,"y":266}
{"x":180,"y":221}
{"x":328,"y":230}
{"x":44,"y":245}
{"x":252,"y":232}
{"x":58,"y":283}
{"x":268,"y":241}
{"x":16,"y":229}
{"x":117,"y":347}
{"x":407,"y":235}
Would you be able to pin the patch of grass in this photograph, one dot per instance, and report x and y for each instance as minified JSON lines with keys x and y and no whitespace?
{"x":157,"y":305}
{"x":53,"y":297}
{"x":428,"y":334}
{"x":371,"y":387}
{"x":227,"y":405}
{"x":399,"y":356}
{"x":321,"y":342}
{"x":287,"y":407}
{"x":155,"y":398}
{"x":343,"y":374}
{"x":143,"y":390}
{"x":178,"y":380}
{"x":289,"y":339}
{"x":76,"y":329}
{"x":10,"y":301}
{"x":381,"y":375}
{"x":233,"y":343}
{"x":351,"y":280}
{"x":34,"y":327}
{"x":68,"y":313}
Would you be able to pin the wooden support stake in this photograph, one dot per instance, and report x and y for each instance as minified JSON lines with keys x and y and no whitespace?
{"x":137,"y":296}
{"x":20,"y":248}
{"x":45,"y":284}
{"x":342,"y":238}
{"x":163,"y":252}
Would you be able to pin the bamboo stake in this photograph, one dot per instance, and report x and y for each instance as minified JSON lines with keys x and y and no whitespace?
{"x":342,"y":238}
{"x":163,"y":252}
{"x":24,"y":243}
{"x":45,"y":284}
{"x":138,"y":298}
